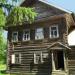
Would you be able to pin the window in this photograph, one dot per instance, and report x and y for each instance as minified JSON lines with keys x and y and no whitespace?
{"x":26,"y":35}
{"x":15,"y":36}
{"x":45,"y":57}
{"x":38,"y":58}
{"x":39,"y":33}
{"x":58,"y":59}
{"x":54,"y":32}
{"x":16,"y":58}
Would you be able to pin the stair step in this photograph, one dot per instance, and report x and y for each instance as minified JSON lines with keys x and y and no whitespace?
{"x":59,"y":73}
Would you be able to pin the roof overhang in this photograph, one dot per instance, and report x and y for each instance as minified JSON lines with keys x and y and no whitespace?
{"x":50,"y":4}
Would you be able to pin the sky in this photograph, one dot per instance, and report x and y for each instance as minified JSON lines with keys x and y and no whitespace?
{"x":68,"y":5}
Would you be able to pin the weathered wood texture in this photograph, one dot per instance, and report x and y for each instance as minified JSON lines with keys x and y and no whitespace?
{"x":47,"y":16}
{"x":28,"y":48}
{"x":71,"y":61}
{"x":45,"y":25}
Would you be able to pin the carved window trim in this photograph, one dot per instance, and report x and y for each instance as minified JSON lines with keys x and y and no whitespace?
{"x":26,"y":35}
{"x":53,"y":31}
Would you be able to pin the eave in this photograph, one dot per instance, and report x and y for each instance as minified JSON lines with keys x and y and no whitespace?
{"x":49,"y":4}
{"x":50,"y":18}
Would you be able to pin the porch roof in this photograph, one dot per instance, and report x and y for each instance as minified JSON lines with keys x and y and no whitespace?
{"x":58,"y":45}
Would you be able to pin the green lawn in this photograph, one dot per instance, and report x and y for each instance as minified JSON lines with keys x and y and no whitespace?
{"x":3,"y":67}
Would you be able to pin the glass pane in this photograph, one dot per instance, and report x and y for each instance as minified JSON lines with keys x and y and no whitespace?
{"x":39,"y":34}
{"x":14,"y":33}
{"x":17,"y":58}
{"x":55,"y":33}
{"x":26,"y":35}
{"x":53,"y":28}
{"x":38,"y":59}
{"x":15,"y":36}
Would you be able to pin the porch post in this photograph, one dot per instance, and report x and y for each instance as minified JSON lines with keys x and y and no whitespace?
{"x":53,"y":64}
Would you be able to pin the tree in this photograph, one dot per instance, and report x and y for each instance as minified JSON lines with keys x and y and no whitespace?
{"x":21,"y":15}
{"x":3,"y":47}
{"x":2,"y":18}
{"x":18,"y":15}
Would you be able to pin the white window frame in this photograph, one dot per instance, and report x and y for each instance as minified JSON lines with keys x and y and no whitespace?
{"x":25,"y":34}
{"x":13,"y":58}
{"x":56,"y":30}
{"x":13,"y":36}
{"x":39,"y":32}
{"x":41,"y":58}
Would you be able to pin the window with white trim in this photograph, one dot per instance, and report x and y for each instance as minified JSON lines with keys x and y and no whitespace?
{"x":26,"y":35}
{"x":16,"y":58}
{"x":15,"y":36}
{"x":38,"y":58}
{"x":54,"y":31}
{"x":39,"y":34}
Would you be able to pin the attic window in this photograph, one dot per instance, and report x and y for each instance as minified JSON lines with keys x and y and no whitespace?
{"x":15,"y":36}
{"x":39,"y":33}
{"x":26,"y":35}
{"x":54,"y":31}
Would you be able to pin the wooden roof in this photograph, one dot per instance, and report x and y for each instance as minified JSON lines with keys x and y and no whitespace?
{"x":31,"y":2}
{"x":53,"y":12}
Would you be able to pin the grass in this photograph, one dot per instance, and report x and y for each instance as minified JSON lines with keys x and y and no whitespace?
{"x":3,"y":67}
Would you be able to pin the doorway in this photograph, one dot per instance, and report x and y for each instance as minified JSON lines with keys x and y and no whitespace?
{"x":59,"y":60}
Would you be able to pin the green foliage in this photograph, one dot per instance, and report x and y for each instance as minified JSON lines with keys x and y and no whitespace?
{"x":2,"y":1}
{"x":2,"y":18}
{"x":3,"y":47}
{"x":20,"y":15}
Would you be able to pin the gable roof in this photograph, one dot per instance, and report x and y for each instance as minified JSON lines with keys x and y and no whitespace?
{"x":59,"y":45}
{"x":50,"y":4}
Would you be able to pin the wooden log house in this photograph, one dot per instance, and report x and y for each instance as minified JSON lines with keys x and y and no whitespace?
{"x":41,"y":48}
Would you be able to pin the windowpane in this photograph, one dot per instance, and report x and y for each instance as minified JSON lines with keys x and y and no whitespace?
{"x":39,"y":33}
{"x":15,"y":36}
{"x":45,"y":57}
{"x":16,"y":58}
{"x":38,"y":58}
{"x":54,"y":32}
{"x":26,"y":35}
{"x":53,"y":28}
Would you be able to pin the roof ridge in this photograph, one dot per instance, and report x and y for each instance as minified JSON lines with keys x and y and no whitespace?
{"x":56,"y":6}
{"x":52,"y":4}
